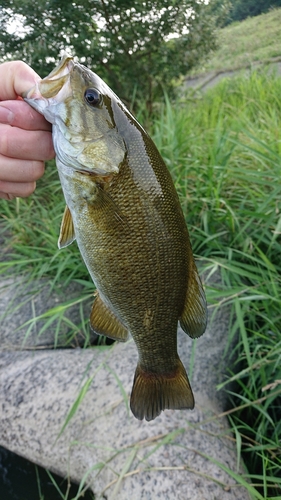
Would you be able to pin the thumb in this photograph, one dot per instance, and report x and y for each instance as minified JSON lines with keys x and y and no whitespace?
{"x":16,"y":77}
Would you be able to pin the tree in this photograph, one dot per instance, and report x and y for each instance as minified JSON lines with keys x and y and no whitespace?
{"x":241,"y":9}
{"x":128,"y":43}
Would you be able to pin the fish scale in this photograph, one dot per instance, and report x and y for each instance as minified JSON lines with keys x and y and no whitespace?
{"x":123,"y":210}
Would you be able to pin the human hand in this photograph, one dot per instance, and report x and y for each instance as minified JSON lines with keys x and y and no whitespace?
{"x":25,"y":135}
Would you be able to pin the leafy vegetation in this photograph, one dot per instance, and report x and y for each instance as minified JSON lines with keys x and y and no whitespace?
{"x":241,"y":9}
{"x":242,"y":44}
{"x":224,"y":151}
{"x":130,"y":44}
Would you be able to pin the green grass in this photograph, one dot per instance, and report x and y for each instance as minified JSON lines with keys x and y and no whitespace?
{"x":224,"y":152}
{"x":30,"y":229}
{"x":34,"y":225}
{"x":243,"y":43}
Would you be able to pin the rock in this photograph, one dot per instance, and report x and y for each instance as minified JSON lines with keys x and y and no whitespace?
{"x":181,"y":454}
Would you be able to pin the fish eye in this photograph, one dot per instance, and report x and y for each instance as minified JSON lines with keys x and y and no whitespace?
{"x":92,"y":97}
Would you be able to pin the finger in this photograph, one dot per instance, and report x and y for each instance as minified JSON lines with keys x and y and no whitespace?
{"x":19,"y":114}
{"x":10,"y":190}
{"x":6,"y":196}
{"x":26,"y":145}
{"x":23,"y":171}
{"x":16,"y":77}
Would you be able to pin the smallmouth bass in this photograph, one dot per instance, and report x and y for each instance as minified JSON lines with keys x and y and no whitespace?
{"x":123,"y":210}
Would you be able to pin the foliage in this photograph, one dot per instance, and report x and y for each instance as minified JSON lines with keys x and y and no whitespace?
{"x":241,"y":9}
{"x":129,"y":44}
{"x":220,"y":9}
{"x":256,"y":39}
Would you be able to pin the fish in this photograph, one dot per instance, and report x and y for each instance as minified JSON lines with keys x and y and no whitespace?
{"x":123,"y":210}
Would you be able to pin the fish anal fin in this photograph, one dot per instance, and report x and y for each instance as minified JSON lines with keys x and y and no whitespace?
{"x":104,"y":322}
{"x":67,"y":234}
{"x":193,"y":319}
{"x":153,"y":392}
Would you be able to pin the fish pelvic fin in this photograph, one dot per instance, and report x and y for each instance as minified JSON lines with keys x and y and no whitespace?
{"x":67,"y":234}
{"x":194,"y":317}
{"x":104,"y":322}
{"x":154,"y":392}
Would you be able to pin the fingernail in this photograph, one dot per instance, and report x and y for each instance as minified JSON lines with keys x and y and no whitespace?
{"x":6,"y":115}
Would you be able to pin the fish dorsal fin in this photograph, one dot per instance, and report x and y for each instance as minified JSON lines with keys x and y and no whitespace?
{"x":104,"y":322}
{"x":194,"y":317}
{"x":67,"y":234}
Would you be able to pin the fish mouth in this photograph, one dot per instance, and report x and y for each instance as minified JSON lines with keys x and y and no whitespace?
{"x":53,"y":85}
{"x":64,"y":67}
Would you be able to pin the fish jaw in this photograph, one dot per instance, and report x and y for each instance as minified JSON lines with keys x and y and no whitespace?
{"x":47,"y":94}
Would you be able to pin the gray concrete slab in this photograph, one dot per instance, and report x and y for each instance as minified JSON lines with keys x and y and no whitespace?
{"x":181,"y":454}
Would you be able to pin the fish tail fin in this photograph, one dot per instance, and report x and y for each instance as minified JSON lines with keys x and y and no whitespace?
{"x":154,"y":392}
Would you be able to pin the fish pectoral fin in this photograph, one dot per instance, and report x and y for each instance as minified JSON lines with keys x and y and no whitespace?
{"x":107,"y":203}
{"x":193,"y":319}
{"x":154,"y":392}
{"x":67,"y":234}
{"x":104,"y":322}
